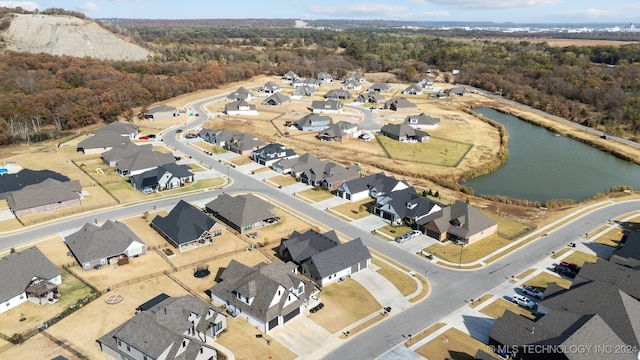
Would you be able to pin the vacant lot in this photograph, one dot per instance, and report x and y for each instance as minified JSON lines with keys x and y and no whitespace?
{"x":452,"y":344}
{"x":436,"y":151}
{"x":345,"y":303}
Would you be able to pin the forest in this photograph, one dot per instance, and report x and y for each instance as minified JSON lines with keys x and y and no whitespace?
{"x":43,"y":95}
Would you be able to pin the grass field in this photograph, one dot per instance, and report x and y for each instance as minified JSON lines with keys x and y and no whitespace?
{"x":611,"y":238}
{"x":542,"y":281}
{"x":316,"y":195}
{"x":452,"y":344}
{"x":283,"y":180}
{"x":451,"y":251}
{"x":355,"y":210}
{"x":497,"y":307}
{"x":580,"y":257}
{"x":435,"y":151}
{"x":402,"y":281}
{"x":344,"y":303}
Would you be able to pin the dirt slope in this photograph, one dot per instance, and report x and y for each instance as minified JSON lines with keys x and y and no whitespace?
{"x":65,"y":35}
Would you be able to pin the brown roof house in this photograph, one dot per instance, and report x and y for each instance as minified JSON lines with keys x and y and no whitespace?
{"x":28,"y":276}
{"x":340,"y":131}
{"x":96,"y":246}
{"x":322,"y":258}
{"x":187,"y":227}
{"x":178,"y":328}
{"x":242,"y":213}
{"x":46,"y":196}
{"x":459,"y":222}
{"x":266,"y":295}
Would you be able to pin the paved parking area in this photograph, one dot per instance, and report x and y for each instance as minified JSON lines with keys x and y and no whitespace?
{"x":302,"y":336}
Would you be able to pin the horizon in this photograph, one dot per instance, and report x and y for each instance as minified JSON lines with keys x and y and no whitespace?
{"x":462,"y":11}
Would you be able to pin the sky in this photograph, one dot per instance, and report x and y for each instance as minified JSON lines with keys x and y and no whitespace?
{"x":500,"y":11}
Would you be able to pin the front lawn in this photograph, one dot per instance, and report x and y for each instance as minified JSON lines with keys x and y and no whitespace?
{"x":453,"y":344}
{"x":355,"y":210}
{"x":579,"y":258}
{"x":497,"y":308}
{"x":394,"y":231}
{"x":402,"y":281}
{"x":542,"y":281}
{"x":316,"y":195}
{"x":283,"y":180}
{"x":479,"y":249}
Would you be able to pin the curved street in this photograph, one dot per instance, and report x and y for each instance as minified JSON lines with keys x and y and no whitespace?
{"x":450,"y":288}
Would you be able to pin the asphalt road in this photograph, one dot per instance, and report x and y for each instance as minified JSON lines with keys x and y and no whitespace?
{"x":450,"y":288}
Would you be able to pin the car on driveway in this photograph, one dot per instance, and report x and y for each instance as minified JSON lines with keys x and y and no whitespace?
{"x":403,"y":238}
{"x":533,"y":292}
{"x":415,"y":233}
{"x":563,"y":270}
{"x":178,"y":131}
{"x":573,"y":267}
{"x":523,"y":301}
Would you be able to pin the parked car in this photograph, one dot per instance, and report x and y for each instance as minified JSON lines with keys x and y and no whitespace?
{"x":403,"y":238}
{"x":563,"y":270}
{"x":143,"y":137}
{"x":152,"y":136}
{"x":573,"y":267}
{"x":191,"y":136}
{"x":178,"y":131}
{"x":271,"y":221}
{"x":523,"y":301}
{"x":415,"y":233}
{"x":531,"y":291}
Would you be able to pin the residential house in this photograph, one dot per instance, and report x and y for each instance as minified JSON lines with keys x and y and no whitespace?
{"x":127,"y":130}
{"x":374,"y":186}
{"x":357,"y":77}
{"x":399,"y":104}
{"x":28,"y":275}
{"x":311,"y":82}
{"x":129,"y":149}
{"x":219,"y":137}
{"x":322,"y":258}
{"x":425,"y":83}
{"x":297,"y":165}
{"x":47,"y":196}
{"x":241,"y":94}
{"x":314,"y":122}
{"x":404,"y":205}
{"x":370,"y":97}
{"x":380,"y":87}
{"x":275,"y":99}
{"x":143,"y":161}
{"x":244,"y":144}
{"x":187,"y":227}
{"x":413,"y":89}
{"x":266,"y":295}
{"x":101,"y":141}
{"x":326,"y":106}
{"x":240,"y":107}
{"x":242,"y":213}
{"x":270,"y":88}
{"x":160,"y":112}
{"x":340,"y":131}
{"x":325,"y":77}
{"x":459,"y":222}
{"x":271,"y":153}
{"x":328,"y":175}
{"x":600,"y":308}
{"x":297,"y":82}
{"x":25,"y":177}
{"x":422,"y":121}
{"x":458,"y":91}
{"x":404,"y":133}
{"x":352,"y":85}
{"x":301,"y":91}
{"x":177,"y":328}
{"x":164,"y":177}
{"x":628,"y":252}
{"x":336,"y":94}
{"x":290,"y":76}
{"x":96,"y":246}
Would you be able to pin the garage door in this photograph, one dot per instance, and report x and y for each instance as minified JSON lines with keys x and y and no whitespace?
{"x":290,"y":315}
{"x":433,"y":234}
{"x":273,"y":323}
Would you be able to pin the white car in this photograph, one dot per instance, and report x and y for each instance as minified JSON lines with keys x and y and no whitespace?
{"x":523,"y":301}
{"x":531,"y":291}
{"x":415,"y":233}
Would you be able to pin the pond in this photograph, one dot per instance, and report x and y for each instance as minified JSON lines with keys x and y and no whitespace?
{"x":543,"y":165}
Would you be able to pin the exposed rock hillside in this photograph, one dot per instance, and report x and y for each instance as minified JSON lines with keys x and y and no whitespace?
{"x":65,"y":35}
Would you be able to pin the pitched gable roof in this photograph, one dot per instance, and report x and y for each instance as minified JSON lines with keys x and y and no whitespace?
{"x":330,"y":104}
{"x":119,"y":128}
{"x":19,"y":268}
{"x":402,"y":131}
{"x":336,"y":259}
{"x":314,"y":120}
{"x":184,"y":223}
{"x":338,"y":130}
{"x":399,"y":104}
{"x":91,"y":242}
{"x":241,"y":210}
{"x":276,"y":99}
{"x":103,"y":139}
{"x":304,"y":90}
{"x":124,"y":151}
{"x":382,"y":183}
{"x":302,"y":246}
{"x":241,"y":94}
{"x":459,"y":219}
{"x":49,"y":191}
{"x":242,"y":142}
{"x":407,"y":204}
{"x":151,"y":178}
{"x":422,"y":119}
{"x":25,"y":177}
{"x":144,"y":160}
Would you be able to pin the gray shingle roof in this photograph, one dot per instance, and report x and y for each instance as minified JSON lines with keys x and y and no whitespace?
{"x":263,"y":282}
{"x":144,"y":160}
{"x":338,"y":94}
{"x":19,"y":268}
{"x":241,"y":94}
{"x":382,"y":184}
{"x":271,"y":152}
{"x":399,"y":104}
{"x":276,"y":99}
{"x":49,"y":191}
{"x":240,"y":210}
{"x":402,"y":131}
{"x":103,"y":139}
{"x":120,"y":128}
{"x":302,"y":246}
{"x":242,"y":142}
{"x":336,"y":259}
{"x":25,"y":177}
{"x":93,"y":243}
{"x":331,"y":104}
{"x":184,"y":223}
{"x":314,"y":121}
{"x":124,"y":151}
{"x":407,"y":204}
{"x":422,"y":119}
{"x":152,"y":177}
{"x":338,"y":130}
{"x":459,"y":219}
{"x":239,"y":105}
{"x":629,"y":253}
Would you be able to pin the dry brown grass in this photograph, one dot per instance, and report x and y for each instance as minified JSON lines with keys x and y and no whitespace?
{"x":241,"y":160}
{"x":402,"y":281}
{"x":579,"y":258}
{"x":424,"y":333}
{"x":355,"y":210}
{"x":451,"y":251}
{"x":452,"y":344}
{"x":241,"y":339}
{"x":497,"y":308}
{"x":81,"y":333}
{"x":314,"y":195}
{"x":525,"y":273}
{"x":558,"y":42}
{"x":542,"y":281}
{"x":345,"y":303}
{"x":611,"y":238}
{"x":283,"y":180}
{"x":38,"y":347}
{"x":481,"y":300}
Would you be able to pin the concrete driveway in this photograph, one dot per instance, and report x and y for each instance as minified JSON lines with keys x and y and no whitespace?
{"x":302,"y":336}
{"x":381,"y":289}
{"x":370,"y":223}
